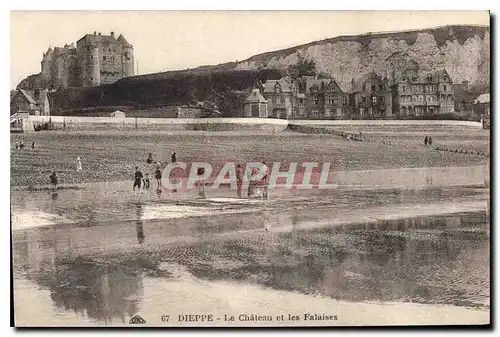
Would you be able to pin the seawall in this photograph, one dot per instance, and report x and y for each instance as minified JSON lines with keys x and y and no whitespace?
{"x":225,"y":124}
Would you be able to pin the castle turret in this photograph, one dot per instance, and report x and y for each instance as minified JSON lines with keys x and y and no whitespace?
{"x":90,"y":64}
{"x":127,"y":57}
{"x":46,"y":66}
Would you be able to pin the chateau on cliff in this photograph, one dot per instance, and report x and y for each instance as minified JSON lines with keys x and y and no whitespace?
{"x":97,"y":59}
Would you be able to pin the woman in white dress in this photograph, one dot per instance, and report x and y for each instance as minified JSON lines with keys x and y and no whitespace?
{"x":78,"y":164}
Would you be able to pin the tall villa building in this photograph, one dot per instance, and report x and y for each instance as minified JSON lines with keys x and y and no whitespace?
{"x":418,"y":92}
{"x":371,"y":97}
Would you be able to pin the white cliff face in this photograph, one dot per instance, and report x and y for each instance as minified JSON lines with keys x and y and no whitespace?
{"x":345,"y":60}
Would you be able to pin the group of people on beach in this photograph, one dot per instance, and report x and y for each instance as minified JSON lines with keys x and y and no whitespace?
{"x":20,"y":145}
{"x":143,"y":180}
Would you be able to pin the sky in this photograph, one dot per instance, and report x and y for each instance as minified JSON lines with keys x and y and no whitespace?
{"x":169,"y":40}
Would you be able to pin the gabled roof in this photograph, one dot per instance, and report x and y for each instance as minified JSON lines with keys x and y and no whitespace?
{"x":483,"y":98}
{"x":423,"y":76}
{"x":255,"y":97}
{"x":28,"y":96}
{"x":319,"y":84}
{"x":123,"y":41}
{"x":270,"y":86}
{"x":358,"y":84}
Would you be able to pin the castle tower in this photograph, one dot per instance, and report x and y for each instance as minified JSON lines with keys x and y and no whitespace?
{"x":127,"y":57}
{"x":90,"y":64}
{"x":46,"y":66}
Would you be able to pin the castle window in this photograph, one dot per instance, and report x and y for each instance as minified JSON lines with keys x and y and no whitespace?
{"x":104,"y":58}
{"x":444,"y":87}
{"x":91,"y":56}
{"x":109,"y":50}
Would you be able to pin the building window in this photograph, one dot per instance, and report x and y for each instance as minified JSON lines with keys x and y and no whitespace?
{"x":336,"y":100}
{"x":104,"y":58}
{"x":363,"y":99}
{"x":91,"y":56}
{"x":381,"y":99}
{"x":315,"y":100}
{"x":444,"y":87}
{"x":374,"y":99}
{"x":364,"y":87}
{"x":373,"y":87}
{"x":278,"y":99}
{"x":429,"y":77}
{"x":344,"y":100}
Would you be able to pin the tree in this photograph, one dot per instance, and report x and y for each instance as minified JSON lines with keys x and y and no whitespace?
{"x":303,"y":67}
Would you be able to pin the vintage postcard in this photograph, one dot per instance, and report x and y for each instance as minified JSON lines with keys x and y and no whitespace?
{"x":250,"y":169}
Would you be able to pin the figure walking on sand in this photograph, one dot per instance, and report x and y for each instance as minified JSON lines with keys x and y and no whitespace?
{"x":174,"y":157}
{"x":54,"y":180}
{"x":426,"y":140}
{"x":137,"y":179}
{"x":158,"y":177}
{"x":430,"y":141}
{"x":78,"y":164}
{"x":150,"y":159}
{"x":239,"y":179}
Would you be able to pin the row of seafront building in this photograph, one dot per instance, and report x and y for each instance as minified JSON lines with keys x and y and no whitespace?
{"x":407,"y":93}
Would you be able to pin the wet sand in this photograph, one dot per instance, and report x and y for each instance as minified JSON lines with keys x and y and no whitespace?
{"x":371,"y":257}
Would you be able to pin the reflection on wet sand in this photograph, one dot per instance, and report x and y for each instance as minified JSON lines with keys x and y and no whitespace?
{"x":139,"y":223}
{"x":439,"y":259}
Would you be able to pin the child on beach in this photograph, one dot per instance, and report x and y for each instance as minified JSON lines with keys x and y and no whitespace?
{"x":147,"y":182}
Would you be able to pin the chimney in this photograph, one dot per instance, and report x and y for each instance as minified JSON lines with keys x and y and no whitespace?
{"x":112,"y":34}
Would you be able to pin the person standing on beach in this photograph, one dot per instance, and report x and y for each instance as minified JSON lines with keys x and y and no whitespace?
{"x":150,"y":159}
{"x":174,"y":157}
{"x":158,"y":177}
{"x":33,"y":145}
{"x":17,"y":146}
{"x":239,"y":179}
{"x":137,"y":179}
{"x":54,"y":180}
{"x":265,"y":180}
{"x":430,"y":141}
{"x":426,"y":140}
{"x":78,"y":164}
{"x":21,"y":145}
